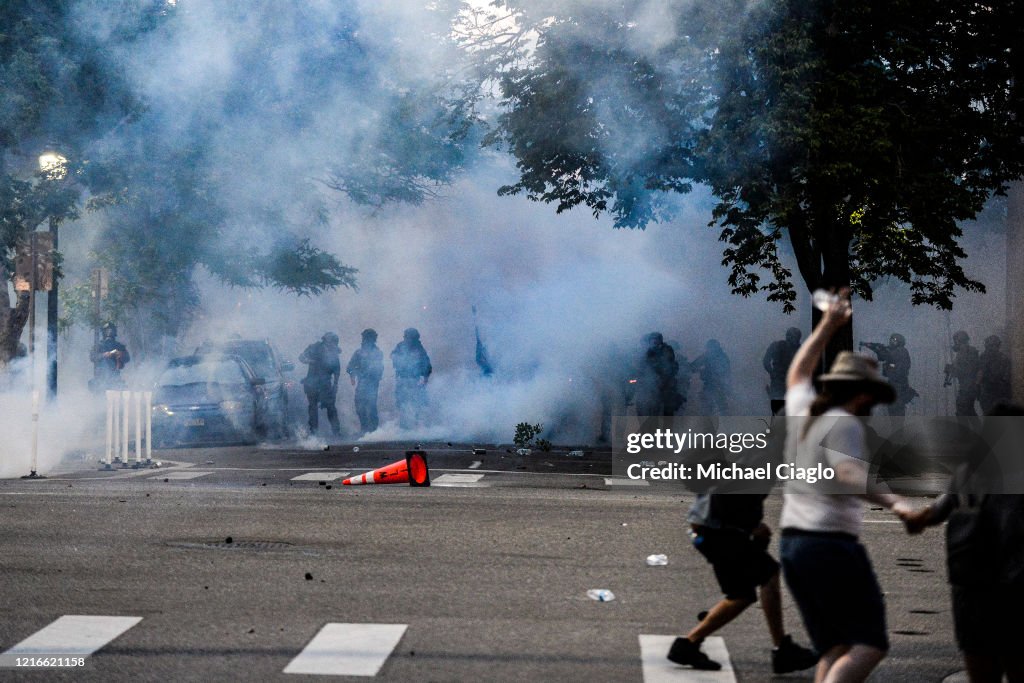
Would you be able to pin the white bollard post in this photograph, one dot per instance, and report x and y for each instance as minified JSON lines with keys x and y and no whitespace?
{"x":125,"y":397}
{"x":149,"y":426}
{"x":115,"y":405}
{"x":110,"y":429}
{"x":137,"y":400}
{"x":33,"y":474}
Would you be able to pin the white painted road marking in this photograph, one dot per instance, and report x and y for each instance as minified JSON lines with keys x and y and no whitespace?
{"x":186,"y":474}
{"x":320,"y":476}
{"x":625,"y":482}
{"x":459,"y":480}
{"x":476,"y":464}
{"x":657,"y":669}
{"x":73,"y":636}
{"x":348,"y":650}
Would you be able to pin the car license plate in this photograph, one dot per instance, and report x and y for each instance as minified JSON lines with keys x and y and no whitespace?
{"x":195,"y":422}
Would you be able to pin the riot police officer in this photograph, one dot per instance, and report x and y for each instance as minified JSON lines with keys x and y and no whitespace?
{"x":412,"y":370}
{"x":108,"y":356}
{"x":657,"y":393}
{"x":321,"y":381}
{"x":964,"y":369}
{"x":776,"y":362}
{"x":365,"y":369}
{"x":895,"y":361}
{"x":993,"y":375}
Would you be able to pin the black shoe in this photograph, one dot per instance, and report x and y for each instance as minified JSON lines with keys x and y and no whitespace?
{"x":791,"y":657}
{"x":687,"y":653}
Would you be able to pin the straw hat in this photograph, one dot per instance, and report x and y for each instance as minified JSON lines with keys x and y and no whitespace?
{"x":856,"y":367}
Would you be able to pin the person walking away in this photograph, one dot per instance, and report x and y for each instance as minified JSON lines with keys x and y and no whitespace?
{"x":365,"y":369}
{"x":321,"y":381}
{"x":985,"y":553}
{"x":826,"y":568}
{"x":728,"y":530}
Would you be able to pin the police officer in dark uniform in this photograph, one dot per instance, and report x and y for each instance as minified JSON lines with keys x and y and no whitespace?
{"x":412,"y":370}
{"x":895,"y":362}
{"x":321,"y":381}
{"x":108,"y":357}
{"x":365,"y":369}
{"x":964,"y":369}
{"x":776,"y":363}
{"x":714,"y":368}
{"x":657,"y":393}
{"x":993,"y":375}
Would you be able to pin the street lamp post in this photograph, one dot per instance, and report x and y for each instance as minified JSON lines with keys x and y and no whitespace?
{"x":54,"y":163}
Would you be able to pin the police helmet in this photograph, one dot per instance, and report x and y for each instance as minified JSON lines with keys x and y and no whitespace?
{"x":960,"y":338}
{"x":897,"y":340}
{"x":993,"y":342}
{"x":411,"y":334}
{"x":108,"y":329}
{"x":369,"y":334}
{"x":330,"y":338}
{"x":793,"y":335}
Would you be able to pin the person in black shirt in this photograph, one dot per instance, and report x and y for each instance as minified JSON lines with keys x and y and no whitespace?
{"x":365,"y":369}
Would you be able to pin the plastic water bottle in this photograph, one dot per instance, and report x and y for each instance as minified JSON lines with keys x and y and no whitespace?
{"x":600,"y":594}
{"x":657,"y":560}
{"x":823,"y":299}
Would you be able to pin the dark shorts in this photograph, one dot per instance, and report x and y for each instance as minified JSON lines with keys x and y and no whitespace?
{"x":835,"y":587}
{"x":740,"y":563}
{"x":988,"y":620}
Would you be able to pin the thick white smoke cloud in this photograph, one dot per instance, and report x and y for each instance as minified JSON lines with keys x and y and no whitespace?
{"x":563,"y":300}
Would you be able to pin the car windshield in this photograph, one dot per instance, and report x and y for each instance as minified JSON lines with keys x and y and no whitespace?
{"x":256,"y":354}
{"x":207,"y":372}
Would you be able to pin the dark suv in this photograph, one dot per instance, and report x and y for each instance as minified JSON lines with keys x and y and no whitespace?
{"x":266,"y":362}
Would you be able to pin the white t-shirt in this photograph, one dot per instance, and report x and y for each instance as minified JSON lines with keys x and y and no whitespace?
{"x":832,"y":439}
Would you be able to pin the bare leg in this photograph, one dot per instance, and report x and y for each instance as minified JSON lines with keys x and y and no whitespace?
{"x":855,"y":665}
{"x":771,"y":603}
{"x":718,"y":616}
{"x":827,"y":660}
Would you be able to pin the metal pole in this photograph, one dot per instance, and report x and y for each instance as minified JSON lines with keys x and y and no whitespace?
{"x":33,"y":474}
{"x":115,"y":406}
{"x":149,"y":426}
{"x":51,"y":320}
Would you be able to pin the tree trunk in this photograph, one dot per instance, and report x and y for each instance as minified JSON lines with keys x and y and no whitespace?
{"x":1015,"y":287}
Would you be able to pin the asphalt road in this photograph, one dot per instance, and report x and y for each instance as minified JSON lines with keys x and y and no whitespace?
{"x":488,"y":575}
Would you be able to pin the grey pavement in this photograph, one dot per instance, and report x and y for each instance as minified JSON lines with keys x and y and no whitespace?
{"x":490,"y":580}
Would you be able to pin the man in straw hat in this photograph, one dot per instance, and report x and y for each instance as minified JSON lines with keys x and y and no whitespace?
{"x":825,"y":566}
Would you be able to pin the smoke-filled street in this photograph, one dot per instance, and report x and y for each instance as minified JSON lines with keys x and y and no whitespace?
{"x":489,"y":577}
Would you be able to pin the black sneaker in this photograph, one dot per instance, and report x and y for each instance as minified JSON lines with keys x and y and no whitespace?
{"x":687,"y":653}
{"x":791,"y":657}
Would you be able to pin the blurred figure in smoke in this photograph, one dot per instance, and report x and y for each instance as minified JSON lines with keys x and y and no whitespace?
{"x":321,"y":381}
{"x":964,"y":369}
{"x":656,"y":391}
{"x":895,"y":362}
{"x":684,"y":374}
{"x":412,"y":369}
{"x":108,"y":357}
{"x":365,"y":370}
{"x":713,"y":366}
{"x":993,"y":375}
{"x":776,"y":362}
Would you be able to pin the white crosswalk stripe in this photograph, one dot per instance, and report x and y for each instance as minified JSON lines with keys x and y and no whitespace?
{"x":181,"y":474}
{"x":657,"y":669}
{"x":459,"y":480}
{"x":616,"y":481}
{"x":320,"y":476}
{"x":347,"y":650}
{"x":72,"y":636}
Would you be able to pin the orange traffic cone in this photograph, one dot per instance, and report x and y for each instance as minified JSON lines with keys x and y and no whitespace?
{"x":412,"y":469}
